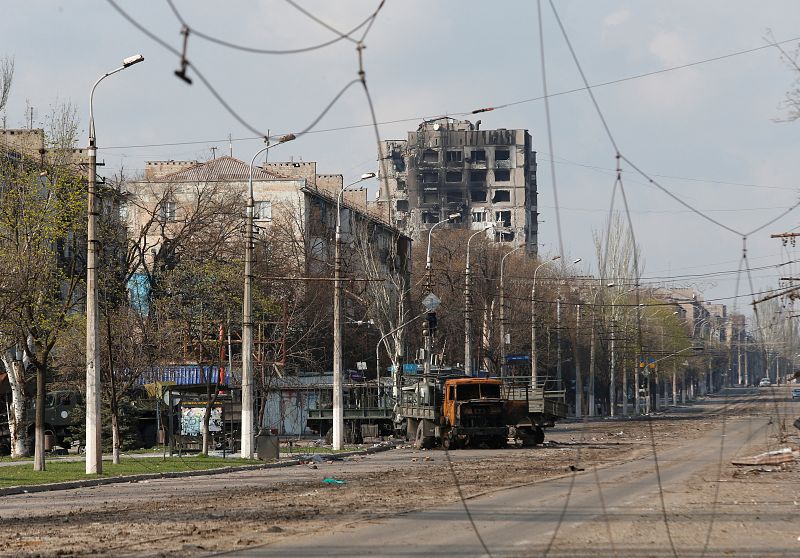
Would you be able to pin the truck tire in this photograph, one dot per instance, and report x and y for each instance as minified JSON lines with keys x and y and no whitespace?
{"x":450,"y":442}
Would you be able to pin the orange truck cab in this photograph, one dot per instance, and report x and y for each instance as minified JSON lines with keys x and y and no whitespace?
{"x":473,"y":413}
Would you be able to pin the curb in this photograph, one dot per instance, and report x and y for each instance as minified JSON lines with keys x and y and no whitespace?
{"x":12,"y":490}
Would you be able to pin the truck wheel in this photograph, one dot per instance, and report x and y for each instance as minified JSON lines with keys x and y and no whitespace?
{"x":450,"y":442}
{"x":538,"y":436}
{"x":498,"y":442}
{"x":528,"y":437}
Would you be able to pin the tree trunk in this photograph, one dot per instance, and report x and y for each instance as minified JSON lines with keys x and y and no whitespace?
{"x":116,"y":441}
{"x":38,"y":449}
{"x":17,"y":408}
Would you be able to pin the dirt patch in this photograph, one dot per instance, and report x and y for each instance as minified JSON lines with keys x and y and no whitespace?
{"x":195,"y":516}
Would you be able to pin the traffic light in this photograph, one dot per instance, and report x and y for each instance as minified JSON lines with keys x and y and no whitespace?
{"x":431,"y":323}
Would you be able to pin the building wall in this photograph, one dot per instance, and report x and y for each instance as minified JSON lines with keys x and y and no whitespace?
{"x":450,"y":166}
{"x":25,"y":142}
{"x":153,"y":170}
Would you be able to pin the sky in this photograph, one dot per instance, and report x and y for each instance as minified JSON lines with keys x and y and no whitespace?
{"x":709,"y":134}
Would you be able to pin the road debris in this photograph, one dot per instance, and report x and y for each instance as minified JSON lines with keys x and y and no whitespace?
{"x":776,"y":457}
{"x":331,"y":480}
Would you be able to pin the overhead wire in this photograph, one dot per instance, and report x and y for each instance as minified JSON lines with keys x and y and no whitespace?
{"x":254,"y":50}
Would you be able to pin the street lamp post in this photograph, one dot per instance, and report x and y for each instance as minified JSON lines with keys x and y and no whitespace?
{"x":612,"y":387}
{"x":94,"y":451}
{"x":592,"y":343}
{"x":428,"y":287}
{"x":247,"y":432}
{"x":338,"y":404}
{"x":502,"y":313}
{"x":468,"y":306}
{"x":378,"y":355}
{"x":533,"y":320}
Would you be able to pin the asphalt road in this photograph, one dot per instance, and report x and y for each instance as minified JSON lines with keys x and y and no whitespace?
{"x":647,"y":507}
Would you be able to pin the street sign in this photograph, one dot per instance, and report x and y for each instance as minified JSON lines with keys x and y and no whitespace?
{"x":431,"y":302}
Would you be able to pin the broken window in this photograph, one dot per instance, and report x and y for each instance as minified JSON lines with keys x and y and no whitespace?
{"x":502,"y":155}
{"x":477,"y":176}
{"x":503,"y":218}
{"x":453,"y":176}
{"x":430,"y":178}
{"x":505,"y":236}
{"x":402,"y":205}
{"x":430,"y":197}
{"x":502,"y":175}
{"x":429,"y":218}
{"x":479,"y":156}
{"x":401,"y":184}
{"x":478,"y":195}
{"x":478,"y":216}
{"x":455,"y":197}
{"x":430,"y":156}
{"x":501,"y":196}
{"x":455,"y":156}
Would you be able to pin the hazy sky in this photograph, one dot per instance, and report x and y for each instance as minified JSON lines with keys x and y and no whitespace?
{"x":708,"y":132}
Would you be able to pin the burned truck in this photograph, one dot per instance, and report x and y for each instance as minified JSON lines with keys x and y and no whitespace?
{"x":457,"y":412}
{"x":453,"y":412}
{"x":442,"y":408}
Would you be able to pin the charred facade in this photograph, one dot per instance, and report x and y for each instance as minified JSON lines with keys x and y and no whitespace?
{"x":450,"y":166}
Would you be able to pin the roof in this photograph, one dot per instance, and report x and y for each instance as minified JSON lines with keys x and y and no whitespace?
{"x":220,"y":169}
{"x":365,"y":213}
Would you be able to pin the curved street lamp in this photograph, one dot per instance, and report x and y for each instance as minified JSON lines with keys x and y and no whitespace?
{"x":248,"y":399}
{"x":338,"y":410}
{"x":502,"y":313}
{"x":468,"y":305}
{"x":94,"y":450}
{"x":533,"y":319}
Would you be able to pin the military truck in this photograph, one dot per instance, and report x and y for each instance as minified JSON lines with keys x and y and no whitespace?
{"x":460,"y":411}
{"x":453,"y":412}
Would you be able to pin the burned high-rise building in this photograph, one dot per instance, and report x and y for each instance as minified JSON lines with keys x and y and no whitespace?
{"x":451,"y":166}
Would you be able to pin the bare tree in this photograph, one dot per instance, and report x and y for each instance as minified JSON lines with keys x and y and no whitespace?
{"x":6,"y":78}
{"x":383,"y":255}
{"x":791,"y":101}
{"x":61,"y":132}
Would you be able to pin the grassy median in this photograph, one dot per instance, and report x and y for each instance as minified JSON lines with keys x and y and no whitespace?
{"x":60,"y":471}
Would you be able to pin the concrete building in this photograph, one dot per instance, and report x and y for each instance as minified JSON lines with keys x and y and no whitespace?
{"x":30,"y":144}
{"x":287,"y":195}
{"x":452,"y":166}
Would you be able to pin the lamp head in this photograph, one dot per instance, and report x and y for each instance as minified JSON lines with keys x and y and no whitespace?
{"x":554,"y":258}
{"x":609,"y":285}
{"x":577,"y":261}
{"x":453,"y":216}
{"x":367,"y":175}
{"x":131,"y":60}
{"x":287,"y":137}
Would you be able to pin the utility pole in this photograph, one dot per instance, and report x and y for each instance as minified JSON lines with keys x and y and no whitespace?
{"x":578,"y":375}
{"x":503,"y":314}
{"x":636,"y":387}
{"x":559,"y":377}
{"x":94,"y":450}
{"x":612,"y":381}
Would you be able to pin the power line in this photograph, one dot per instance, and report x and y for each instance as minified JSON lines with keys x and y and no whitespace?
{"x":461,"y":113}
{"x":255,"y":50}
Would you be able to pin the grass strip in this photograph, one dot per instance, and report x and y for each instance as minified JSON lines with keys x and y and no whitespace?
{"x":59,"y":471}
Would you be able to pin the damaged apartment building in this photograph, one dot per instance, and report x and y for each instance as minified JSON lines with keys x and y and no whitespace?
{"x":451,"y":166}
